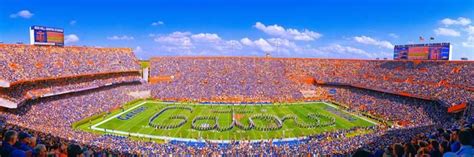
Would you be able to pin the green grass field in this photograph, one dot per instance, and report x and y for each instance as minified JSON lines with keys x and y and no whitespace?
{"x":144,"y":63}
{"x":135,"y":118}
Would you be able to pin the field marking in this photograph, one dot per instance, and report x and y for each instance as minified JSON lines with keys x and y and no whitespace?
{"x":140,"y":135}
{"x":364,"y":118}
{"x":117,"y":115}
{"x":94,"y":127}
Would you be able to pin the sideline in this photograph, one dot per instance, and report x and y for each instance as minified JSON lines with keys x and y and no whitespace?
{"x":353,"y":114}
{"x":94,"y":127}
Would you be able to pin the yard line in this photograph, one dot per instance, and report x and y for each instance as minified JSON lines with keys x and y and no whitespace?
{"x":117,"y":115}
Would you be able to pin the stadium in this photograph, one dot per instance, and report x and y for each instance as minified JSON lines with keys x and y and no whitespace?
{"x":205,"y":104}
{"x":104,"y":101}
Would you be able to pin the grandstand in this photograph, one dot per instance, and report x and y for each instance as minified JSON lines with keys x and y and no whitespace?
{"x":30,"y":72}
{"x":442,"y":81}
{"x":51,"y":91}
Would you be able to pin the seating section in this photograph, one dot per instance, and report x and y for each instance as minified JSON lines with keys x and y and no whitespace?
{"x":410,"y":97}
{"x":404,"y":111}
{"x":223,"y":79}
{"x":62,"y":111}
{"x":23,"y":63}
{"x":444,"y":81}
{"x":273,"y":79}
{"x":30,"y":72}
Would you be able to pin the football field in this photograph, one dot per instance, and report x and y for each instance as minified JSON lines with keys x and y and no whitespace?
{"x":165,"y":120}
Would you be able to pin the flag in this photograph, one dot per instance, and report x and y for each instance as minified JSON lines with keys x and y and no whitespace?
{"x":422,"y":39}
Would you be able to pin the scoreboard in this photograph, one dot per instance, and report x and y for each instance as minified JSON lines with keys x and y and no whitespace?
{"x":40,"y":35}
{"x":432,"y":51}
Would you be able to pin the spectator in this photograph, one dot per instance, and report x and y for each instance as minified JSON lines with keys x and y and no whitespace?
{"x":414,"y":96}
{"x":464,"y":137}
{"x":398,"y":150}
{"x":24,"y":139}
{"x":41,"y":150}
{"x":74,"y":150}
{"x":18,"y":153}
{"x":9,"y":140}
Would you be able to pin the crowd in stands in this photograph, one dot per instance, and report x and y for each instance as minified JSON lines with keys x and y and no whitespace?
{"x":37,"y":89}
{"x":231,"y":79}
{"x":20,"y":63}
{"x":54,"y":116}
{"x":384,"y":89}
{"x":444,"y":81}
{"x":421,"y":141}
{"x":404,"y":110}
{"x":271,"y":79}
{"x":29,"y":72}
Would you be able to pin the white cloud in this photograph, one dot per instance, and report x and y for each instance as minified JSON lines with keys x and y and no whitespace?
{"x":284,"y":46}
{"x":175,"y":38}
{"x":23,"y":14}
{"x":279,"y":42}
{"x":469,"y":42}
{"x":393,"y":35}
{"x":139,"y":52}
{"x":206,"y":37}
{"x":138,"y":49}
{"x":277,"y":46}
{"x":290,"y":33}
{"x":263,"y":45}
{"x":233,"y":45}
{"x":246,"y":41}
{"x":72,"y":22}
{"x":346,"y":50}
{"x":259,"y":44}
{"x":371,"y":41}
{"x":176,"y":42}
{"x":71,"y":38}
{"x":118,"y":37}
{"x":470,"y":30}
{"x":470,"y":39}
{"x":187,"y":43}
{"x":464,"y":30}
{"x":460,"y":21}
{"x":157,"y":23}
{"x":446,"y":32}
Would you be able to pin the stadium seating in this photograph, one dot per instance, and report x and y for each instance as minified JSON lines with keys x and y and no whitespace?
{"x":29,"y":72}
{"x":414,"y":95}
{"x":220,"y":79}
{"x":272,"y":79}
{"x":24,"y":63}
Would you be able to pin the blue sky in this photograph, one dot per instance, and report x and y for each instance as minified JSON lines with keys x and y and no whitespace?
{"x":329,"y":29}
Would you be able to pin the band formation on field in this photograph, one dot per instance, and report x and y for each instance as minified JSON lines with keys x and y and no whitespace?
{"x":190,"y":121}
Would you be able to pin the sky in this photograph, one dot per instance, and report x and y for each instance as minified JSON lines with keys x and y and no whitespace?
{"x":366,"y":29}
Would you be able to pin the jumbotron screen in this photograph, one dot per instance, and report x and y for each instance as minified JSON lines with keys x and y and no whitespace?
{"x":40,"y":35}
{"x":432,"y":51}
